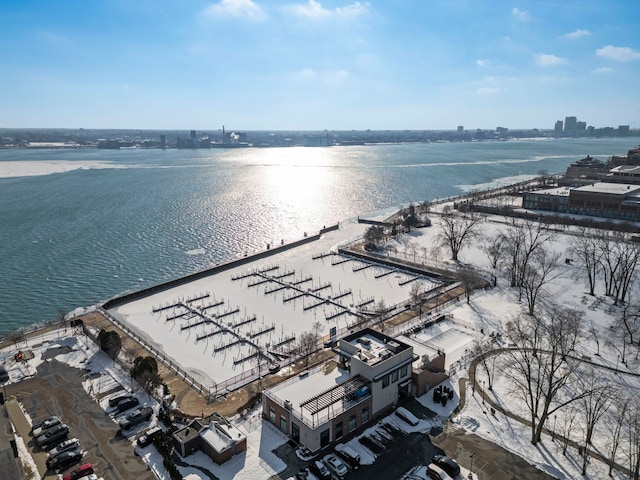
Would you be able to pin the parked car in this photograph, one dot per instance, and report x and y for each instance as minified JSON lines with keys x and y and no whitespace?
{"x":337,"y":466}
{"x":46,"y":425}
{"x":118,"y":397}
{"x":407,"y":416}
{"x":65,"y":446}
{"x":91,"y":476}
{"x":447,"y":464}
{"x":44,"y":421}
{"x":53,"y":436}
{"x":4,"y":375}
{"x":349,"y":455}
{"x":78,"y":473}
{"x":126,"y":404}
{"x":436,"y":473}
{"x":320,"y":470}
{"x":136,"y":417}
{"x":64,"y":460}
{"x":148,"y":436}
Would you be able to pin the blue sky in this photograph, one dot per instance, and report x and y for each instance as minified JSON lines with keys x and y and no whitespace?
{"x":308,"y":64}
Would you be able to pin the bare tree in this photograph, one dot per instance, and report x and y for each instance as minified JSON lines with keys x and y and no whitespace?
{"x":591,"y":328}
{"x":457,"y":229}
{"x":619,"y":258}
{"x":468,"y":279}
{"x":417,"y":289}
{"x":374,"y":235}
{"x":594,"y":406}
{"x":633,"y":447}
{"x":541,"y":362}
{"x":585,"y":248}
{"x":541,"y":269}
{"x":622,"y":405}
{"x":306,"y":345}
{"x":520,"y":244}
{"x":493,"y":248}
{"x":568,"y":420}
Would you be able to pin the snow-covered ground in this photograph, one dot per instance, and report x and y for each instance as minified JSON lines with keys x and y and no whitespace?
{"x":487,"y":312}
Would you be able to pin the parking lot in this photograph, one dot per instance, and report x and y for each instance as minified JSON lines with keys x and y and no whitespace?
{"x":57,"y":390}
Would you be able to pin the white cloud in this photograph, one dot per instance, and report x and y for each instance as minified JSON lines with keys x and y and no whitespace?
{"x":577,"y":34}
{"x":521,"y":15}
{"x":619,"y":54}
{"x":246,"y":9}
{"x":481,"y":63}
{"x":315,"y":10}
{"x":331,"y":77}
{"x":601,"y":70}
{"x":549,"y":60}
{"x":487,"y":91}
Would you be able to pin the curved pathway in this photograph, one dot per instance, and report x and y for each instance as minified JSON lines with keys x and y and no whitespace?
{"x":486,"y":399}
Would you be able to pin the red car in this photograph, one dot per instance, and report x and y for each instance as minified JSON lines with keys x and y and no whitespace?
{"x":81,"y":471}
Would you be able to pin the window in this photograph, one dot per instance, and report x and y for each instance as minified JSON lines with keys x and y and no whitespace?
{"x":352,"y":423}
{"x":394,"y":376}
{"x":324,"y":438}
{"x":338,"y":430}
{"x":295,"y":432}
{"x":283,"y":424}
{"x":272,"y":415}
{"x":365,"y":414}
{"x":403,"y":371}
{"x":385,"y":381}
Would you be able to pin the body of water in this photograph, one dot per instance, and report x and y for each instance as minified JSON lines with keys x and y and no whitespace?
{"x":80,"y":226}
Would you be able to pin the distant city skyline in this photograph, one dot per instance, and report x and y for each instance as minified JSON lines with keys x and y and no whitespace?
{"x":315,"y":65}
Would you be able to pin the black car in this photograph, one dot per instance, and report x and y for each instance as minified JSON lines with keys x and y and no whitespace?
{"x":136,"y":417}
{"x":126,"y":404}
{"x":448,"y":465}
{"x":64,"y":460}
{"x":116,"y":399}
{"x":44,"y":421}
{"x":53,"y":436}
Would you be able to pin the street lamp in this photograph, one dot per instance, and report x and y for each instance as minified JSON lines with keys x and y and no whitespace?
{"x":483,"y":392}
{"x":617,"y":360}
{"x":471,"y":469}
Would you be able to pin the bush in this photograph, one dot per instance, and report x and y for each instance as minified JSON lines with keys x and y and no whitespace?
{"x":109,"y":341}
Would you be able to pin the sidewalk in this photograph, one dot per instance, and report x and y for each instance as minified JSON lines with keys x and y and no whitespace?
{"x":23,"y":429}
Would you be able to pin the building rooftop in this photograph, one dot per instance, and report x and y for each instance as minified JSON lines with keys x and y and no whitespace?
{"x":609,"y":188}
{"x":559,"y":191}
{"x":371,"y":346}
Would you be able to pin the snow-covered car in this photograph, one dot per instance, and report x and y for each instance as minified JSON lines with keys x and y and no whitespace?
{"x":320,"y":470}
{"x":136,"y":417}
{"x":148,"y":436}
{"x":65,"y":446}
{"x":407,"y":416}
{"x":337,"y":466}
{"x":46,"y":425}
{"x":348,"y":454}
{"x":43,"y":422}
{"x":126,"y":404}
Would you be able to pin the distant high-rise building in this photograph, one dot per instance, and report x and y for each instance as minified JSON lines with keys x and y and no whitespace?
{"x":558,"y":127}
{"x":193,"y":138}
{"x":581,"y":127}
{"x":623,"y":130}
{"x":460,"y":129}
{"x":570,"y":125}
{"x":163,"y":141}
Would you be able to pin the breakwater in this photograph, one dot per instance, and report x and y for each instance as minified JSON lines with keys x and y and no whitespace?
{"x":126,"y":298}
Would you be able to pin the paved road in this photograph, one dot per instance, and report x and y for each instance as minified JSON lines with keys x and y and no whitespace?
{"x":57,"y":390}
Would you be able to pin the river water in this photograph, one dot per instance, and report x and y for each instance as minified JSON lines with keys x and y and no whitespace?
{"x":80,"y":226}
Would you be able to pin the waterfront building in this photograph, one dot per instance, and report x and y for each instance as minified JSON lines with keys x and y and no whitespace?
{"x":557,"y":129}
{"x":373,"y":373}
{"x":570,"y":126}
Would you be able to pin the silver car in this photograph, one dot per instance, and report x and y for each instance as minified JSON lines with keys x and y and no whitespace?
{"x":337,"y":466}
